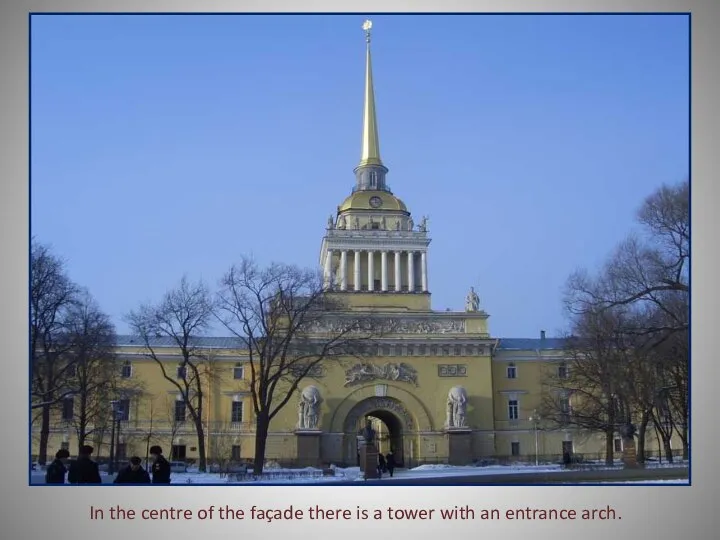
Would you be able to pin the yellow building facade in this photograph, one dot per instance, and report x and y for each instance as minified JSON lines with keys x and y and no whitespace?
{"x":441,"y":388}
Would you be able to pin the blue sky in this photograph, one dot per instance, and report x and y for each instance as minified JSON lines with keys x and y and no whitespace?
{"x":171,"y":145}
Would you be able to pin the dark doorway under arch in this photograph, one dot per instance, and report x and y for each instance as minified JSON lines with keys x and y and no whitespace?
{"x":389,"y":433}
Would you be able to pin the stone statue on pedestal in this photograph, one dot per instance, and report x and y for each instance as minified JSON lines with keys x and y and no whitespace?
{"x":368,"y":433}
{"x":309,"y":408}
{"x":456,"y":407}
{"x":472,"y":301}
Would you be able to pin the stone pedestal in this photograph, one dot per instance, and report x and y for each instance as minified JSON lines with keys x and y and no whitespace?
{"x":369,"y":460}
{"x":459,"y":446}
{"x":630,"y":454}
{"x":308,"y":447}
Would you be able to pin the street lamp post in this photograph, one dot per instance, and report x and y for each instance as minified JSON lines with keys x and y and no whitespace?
{"x":114,"y":434}
{"x":535,"y":418}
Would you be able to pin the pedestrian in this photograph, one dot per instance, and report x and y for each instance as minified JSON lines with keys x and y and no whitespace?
{"x":55,"y":472}
{"x":133,"y":473}
{"x":390,"y":460}
{"x":381,"y":465}
{"x":566,"y":459}
{"x":160,"y":466}
{"x":84,"y":470}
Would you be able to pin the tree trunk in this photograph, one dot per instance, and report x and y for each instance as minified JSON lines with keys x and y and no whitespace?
{"x":642,"y":431}
{"x":683,"y":433}
{"x":202,"y":458}
{"x":44,"y":434}
{"x":609,"y":447}
{"x":261,"y":433}
{"x":668,"y":449}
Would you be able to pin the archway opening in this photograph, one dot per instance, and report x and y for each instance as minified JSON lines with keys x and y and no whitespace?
{"x":389,"y":434}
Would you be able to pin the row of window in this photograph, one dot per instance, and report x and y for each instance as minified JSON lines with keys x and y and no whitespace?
{"x":122,"y":411}
{"x":239,"y":371}
{"x":562,"y":371}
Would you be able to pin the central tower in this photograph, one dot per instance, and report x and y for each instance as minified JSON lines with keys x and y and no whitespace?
{"x":372,"y":246}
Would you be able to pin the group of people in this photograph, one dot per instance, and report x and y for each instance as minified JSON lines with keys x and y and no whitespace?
{"x":386,"y":464}
{"x":86,"y":471}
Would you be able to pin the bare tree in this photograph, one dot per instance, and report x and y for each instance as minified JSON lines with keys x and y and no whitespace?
{"x":650,"y":268}
{"x":274,"y":310}
{"x":648,"y":278}
{"x":52,"y":293}
{"x":586,"y":393}
{"x":92,"y":336}
{"x":180,"y":317}
{"x":222,"y":441}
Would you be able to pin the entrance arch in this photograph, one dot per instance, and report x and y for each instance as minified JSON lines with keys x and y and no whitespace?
{"x":396,"y":419}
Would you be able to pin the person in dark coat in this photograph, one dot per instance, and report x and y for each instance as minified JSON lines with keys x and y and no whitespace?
{"x":160,"y":466}
{"x":381,"y":465}
{"x":55,"y":473}
{"x":567,"y":460}
{"x":133,"y":473}
{"x":84,"y":470}
{"x":390,"y":461}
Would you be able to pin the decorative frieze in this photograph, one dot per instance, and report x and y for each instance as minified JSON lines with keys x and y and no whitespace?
{"x":367,"y":372}
{"x":383,"y":404}
{"x":390,"y":325}
{"x":452,"y":370}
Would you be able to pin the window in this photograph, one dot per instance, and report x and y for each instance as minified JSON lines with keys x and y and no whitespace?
{"x":470,"y":350}
{"x":434,"y":350}
{"x":422,"y":350}
{"x":515,"y":448}
{"x":562,"y":371}
{"x":178,"y":452}
{"x":126,"y":370}
{"x":458,"y":350}
{"x":68,"y":406}
{"x":238,"y":372}
{"x":374,"y":225}
{"x":236,"y":414}
{"x":235,"y":456}
{"x":617,"y":444}
{"x":181,"y":372}
{"x":511,"y":372}
{"x":180,"y":410}
{"x":565,"y":409}
{"x":513,"y":409}
{"x":410,"y":350}
{"x":124,"y":410}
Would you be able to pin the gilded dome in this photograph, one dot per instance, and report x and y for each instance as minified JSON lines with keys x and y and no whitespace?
{"x":372,"y":200}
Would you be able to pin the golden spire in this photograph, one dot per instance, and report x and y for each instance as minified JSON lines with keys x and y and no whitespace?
{"x":370,"y":141}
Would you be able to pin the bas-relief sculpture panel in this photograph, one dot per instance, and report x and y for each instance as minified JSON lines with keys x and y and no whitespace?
{"x":395,"y":326}
{"x":367,"y":372}
{"x":379,"y":403}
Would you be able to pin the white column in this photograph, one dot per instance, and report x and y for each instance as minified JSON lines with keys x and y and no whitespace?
{"x":411,"y":271}
{"x":383,"y":271}
{"x":423,"y":264}
{"x":371,"y":270}
{"x":398,"y":276}
{"x":343,"y":270}
{"x":356,"y":277}
{"x":328,"y":268}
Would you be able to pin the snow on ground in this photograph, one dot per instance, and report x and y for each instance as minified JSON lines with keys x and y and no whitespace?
{"x":277,"y":475}
{"x":679,"y":481}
